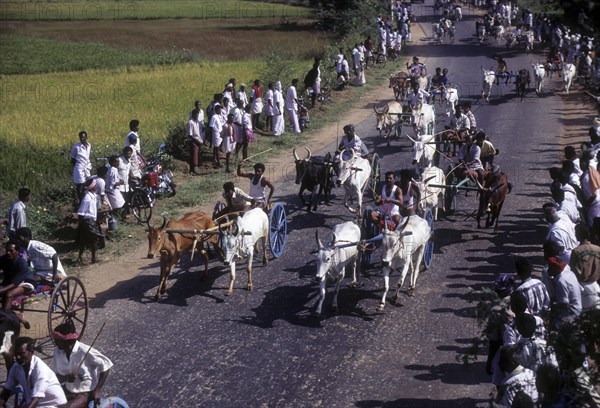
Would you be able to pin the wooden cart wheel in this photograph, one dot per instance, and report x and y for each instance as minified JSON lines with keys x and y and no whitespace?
{"x":277,"y":229}
{"x":68,"y":303}
{"x":429,"y":246}
{"x":375,"y":172}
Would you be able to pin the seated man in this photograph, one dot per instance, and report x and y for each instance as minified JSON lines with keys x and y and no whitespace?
{"x":258,"y":184}
{"x":417,"y":98}
{"x":40,"y":385}
{"x":80,"y":368}
{"x":18,"y":279}
{"x":42,"y":258}
{"x":488,"y":151}
{"x":410,"y":193}
{"x":501,"y":70}
{"x":469,"y":157}
{"x":350,"y":141}
{"x":236,"y":200}
{"x":389,"y":202}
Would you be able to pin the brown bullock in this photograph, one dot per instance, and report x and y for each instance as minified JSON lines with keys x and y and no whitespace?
{"x":492,"y":195}
{"x":172,"y":246}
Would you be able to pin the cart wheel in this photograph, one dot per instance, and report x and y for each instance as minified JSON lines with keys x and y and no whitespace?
{"x":277,"y":229}
{"x":398,"y":130}
{"x":375,"y":172}
{"x":141,"y":207}
{"x":68,"y":303}
{"x":428,"y":253}
{"x":450,"y":195}
{"x":113,"y":402}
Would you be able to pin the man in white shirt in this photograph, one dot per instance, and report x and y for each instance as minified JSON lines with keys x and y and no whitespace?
{"x":560,"y":231}
{"x":134,"y":142}
{"x":81,"y":369}
{"x":88,"y":232}
{"x":42,"y":257}
{"x":195,"y":134}
{"x":40,"y":385}
{"x":216,"y":126}
{"x":80,"y":159}
{"x":291,"y":106}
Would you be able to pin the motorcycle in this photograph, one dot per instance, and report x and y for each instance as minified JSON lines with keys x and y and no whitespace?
{"x":158,"y":180}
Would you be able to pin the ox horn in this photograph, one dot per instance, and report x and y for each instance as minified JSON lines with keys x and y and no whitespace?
{"x":309,"y":153}
{"x":387,"y":109}
{"x":375,"y":109}
{"x":319,"y":243}
{"x":164,"y":223}
{"x":295,"y":154}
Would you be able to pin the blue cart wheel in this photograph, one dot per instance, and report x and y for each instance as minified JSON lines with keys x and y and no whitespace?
{"x":277,"y":229}
{"x":428,"y":253}
{"x":113,"y":402}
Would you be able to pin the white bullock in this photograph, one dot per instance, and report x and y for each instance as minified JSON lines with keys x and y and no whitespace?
{"x":423,"y":149}
{"x":539,"y":73}
{"x":451,"y":96}
{"x":355,"y":173}
{"x":489,"y":77}
{"x":339,"y":250}
{"x":432,"y":197}
{"x":498,"y":33}
{"x":424,"y":119}
{"x":568,"y":76}
{"x":403,"y":249}
{"x":240,"y":240}
{"x":387,"y":119}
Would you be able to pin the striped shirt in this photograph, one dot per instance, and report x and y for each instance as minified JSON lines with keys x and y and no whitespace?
{"x":538,"y":300}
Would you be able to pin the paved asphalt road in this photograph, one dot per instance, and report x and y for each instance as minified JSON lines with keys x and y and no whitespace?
{"x":263,"y":348}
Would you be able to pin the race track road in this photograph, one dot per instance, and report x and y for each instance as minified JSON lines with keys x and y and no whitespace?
{"x":198,"y":348}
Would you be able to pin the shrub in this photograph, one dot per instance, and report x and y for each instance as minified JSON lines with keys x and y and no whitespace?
{"x":177,"y":141}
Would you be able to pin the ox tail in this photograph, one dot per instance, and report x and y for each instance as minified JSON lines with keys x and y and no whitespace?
{"x":509,"y":186}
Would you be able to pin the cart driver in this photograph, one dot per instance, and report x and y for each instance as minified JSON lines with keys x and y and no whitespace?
{"x":236,"y":200}
{"x":417,"y":98}
{"x":389,"y":202}
{"x":350,"y":141}
{"x":81,"y":369}
{"x":410,"y":193}
{"x":501,"y":70}
{"x":469,"y":156}
{"x":258,"y":184}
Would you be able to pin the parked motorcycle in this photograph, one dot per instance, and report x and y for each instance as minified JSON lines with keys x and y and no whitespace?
{"x":156,"y":178}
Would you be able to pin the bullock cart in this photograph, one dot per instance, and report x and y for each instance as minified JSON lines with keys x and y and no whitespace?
{"x":240,"y":236}
{"x":67,"y":302}
{"x":453,"y":185}
{"x":277,"y":229}
{"x":372,"y":239}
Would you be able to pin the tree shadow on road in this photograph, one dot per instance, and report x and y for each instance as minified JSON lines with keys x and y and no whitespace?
{"x":420,"y":403}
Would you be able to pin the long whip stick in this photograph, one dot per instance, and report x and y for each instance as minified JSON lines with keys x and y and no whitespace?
{"x":257,"y":154}
{"x":88,"y":352}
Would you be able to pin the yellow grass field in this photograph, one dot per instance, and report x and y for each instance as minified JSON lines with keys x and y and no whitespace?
{"x":49,"y":110}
